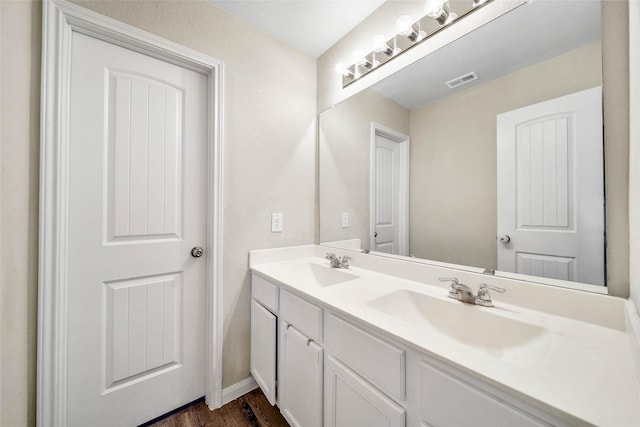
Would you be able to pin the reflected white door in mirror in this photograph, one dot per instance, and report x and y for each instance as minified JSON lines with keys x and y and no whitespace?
{"x":389,"y":194}
{"x":550,"y":189}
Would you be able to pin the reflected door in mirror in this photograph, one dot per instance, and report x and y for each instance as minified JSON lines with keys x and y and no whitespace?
{"x":550,"y":189}
{"x":388,"y":192}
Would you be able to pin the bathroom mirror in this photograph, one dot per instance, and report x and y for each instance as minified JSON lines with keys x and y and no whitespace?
{"x":414,"y":167}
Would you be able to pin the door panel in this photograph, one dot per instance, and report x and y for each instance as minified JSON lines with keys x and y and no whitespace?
{"x":137,"y":192}
{"x":551,"y":189}
{"x":126,"y":319}
{"x":556,"y":267}
{"x":386,"y":195}
{"x":544,"y":177}
{"x":145,"y":157}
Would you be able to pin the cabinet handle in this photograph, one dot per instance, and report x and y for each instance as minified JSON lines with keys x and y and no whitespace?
{"x":288,"y":326}
{"x":309,"y":341}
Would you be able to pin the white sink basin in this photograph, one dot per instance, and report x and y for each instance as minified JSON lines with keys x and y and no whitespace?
{"x":312,"y":273}
{"x":519,"y":342}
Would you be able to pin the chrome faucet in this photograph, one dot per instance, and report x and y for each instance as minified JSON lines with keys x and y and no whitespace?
{"x":336,"y":261}
{"x":463,"y":293}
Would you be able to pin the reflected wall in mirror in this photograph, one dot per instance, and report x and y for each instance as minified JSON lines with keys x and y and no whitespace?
{"x":541,"y":51}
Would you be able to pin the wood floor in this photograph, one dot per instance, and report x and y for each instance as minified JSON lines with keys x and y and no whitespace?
{"x":252,"y":409}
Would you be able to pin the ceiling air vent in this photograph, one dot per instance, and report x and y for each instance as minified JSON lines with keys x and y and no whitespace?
{"x":462,"y":80}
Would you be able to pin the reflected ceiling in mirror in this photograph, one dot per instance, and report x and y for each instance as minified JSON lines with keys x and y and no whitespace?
{"x":541,"y":51}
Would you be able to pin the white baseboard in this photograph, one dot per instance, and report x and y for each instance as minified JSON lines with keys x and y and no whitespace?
{"x":238,"y":389}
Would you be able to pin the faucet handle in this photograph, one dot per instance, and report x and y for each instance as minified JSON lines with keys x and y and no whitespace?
{"x":484,"y":297}
{"x":484,"y":286}
{"x":330,"y":255}
{"x":453,"y":280}
{"x":456,"y":286}
{"x":344,"y":262}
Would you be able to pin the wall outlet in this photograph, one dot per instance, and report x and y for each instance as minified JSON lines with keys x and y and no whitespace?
{"x":276,"y":222}
{"x":345,"y":219}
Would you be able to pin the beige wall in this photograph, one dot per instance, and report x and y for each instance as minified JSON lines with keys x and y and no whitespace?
{"x":270,"y":131}
{"x":344,"y":151}
{"x":615,"y":75}
{"x":453,"y":156}
{"x":19,"y":151}
{"x":634,"y":143}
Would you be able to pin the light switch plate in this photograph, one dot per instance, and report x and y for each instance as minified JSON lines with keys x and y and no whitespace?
{"x":276,"y":222}
{"x":345,"y":219}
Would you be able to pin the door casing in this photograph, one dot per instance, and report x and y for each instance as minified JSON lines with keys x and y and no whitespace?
{"x":60,"y":18}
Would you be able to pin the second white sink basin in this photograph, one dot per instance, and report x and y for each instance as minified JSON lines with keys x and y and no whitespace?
{"x":519,"y":342}
{"x":312,"y":273}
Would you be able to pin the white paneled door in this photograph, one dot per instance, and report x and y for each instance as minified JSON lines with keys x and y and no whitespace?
{"x":389,"y":191}
{"x":387,"y":165}
{"x":137,"y":202}
{"x":550,"y":189}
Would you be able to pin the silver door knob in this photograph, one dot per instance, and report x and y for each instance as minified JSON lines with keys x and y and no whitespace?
{"x":504,"y":239}
{"x":197,"y":252}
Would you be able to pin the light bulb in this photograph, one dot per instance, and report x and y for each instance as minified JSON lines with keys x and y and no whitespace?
{"x":433,"y":8}
{"x":358,"y":57}
{"x":380,"y":43}
{"x":404,"y":25}
{"x":342,"y":69}
{"x":439,"y":10}
{"x":405,"y":28}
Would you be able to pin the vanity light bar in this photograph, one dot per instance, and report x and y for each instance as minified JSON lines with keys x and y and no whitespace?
{"x":421,"y":30}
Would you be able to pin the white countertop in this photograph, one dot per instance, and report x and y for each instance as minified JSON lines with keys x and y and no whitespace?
{"x":583,"y":368}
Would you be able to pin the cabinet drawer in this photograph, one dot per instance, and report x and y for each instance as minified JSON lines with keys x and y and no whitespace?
{"x":264,"y":292}
{"x":306,"y":317}
{"x":442,"y":395}
{"x":379,"y":362}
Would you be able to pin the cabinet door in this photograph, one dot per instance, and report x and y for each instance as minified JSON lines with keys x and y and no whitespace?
{"x":352,"y":402}
{"x":264,"y":349}
{"x":442,"y":396}
{"x":300,"y":385}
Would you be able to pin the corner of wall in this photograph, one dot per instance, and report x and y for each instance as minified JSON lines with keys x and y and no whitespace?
{"x":634,"y":155}
{"x":615,"y":76}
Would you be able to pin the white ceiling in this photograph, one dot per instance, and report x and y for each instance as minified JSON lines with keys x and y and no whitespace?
{"x":312,"y":26}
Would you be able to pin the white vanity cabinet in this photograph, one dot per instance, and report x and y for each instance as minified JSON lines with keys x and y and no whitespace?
{"x":334,"y":371}
{"x":351,"y":401}
{"x":286,"y":355}
{"x":264,"y":349}
{"x":363,"y":376}
{"x":447,"y":399}
{"x":300,"y":385}
{"x":264,"y":335}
